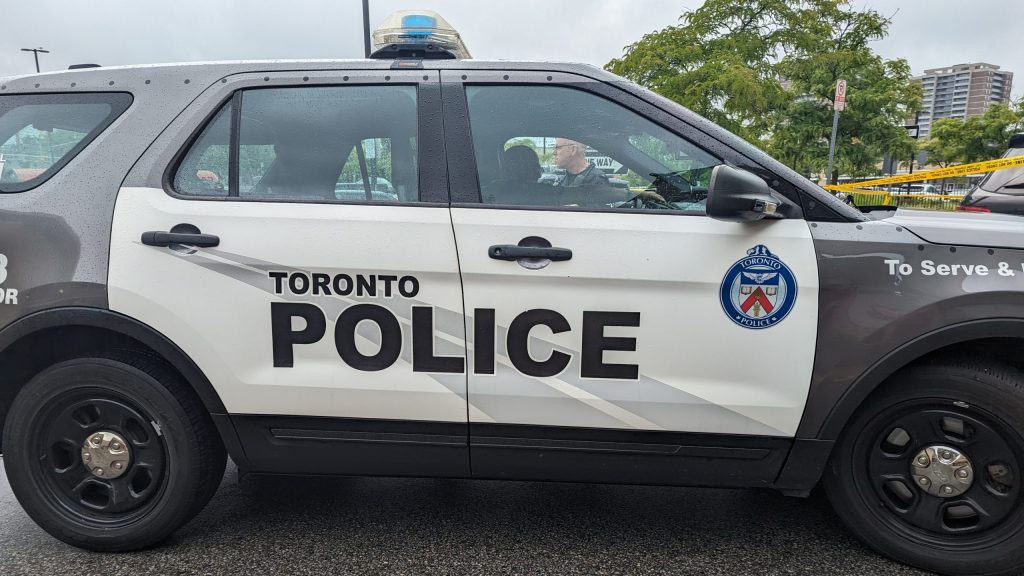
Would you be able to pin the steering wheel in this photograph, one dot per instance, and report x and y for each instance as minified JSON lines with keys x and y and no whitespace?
{"x":646,"y":200}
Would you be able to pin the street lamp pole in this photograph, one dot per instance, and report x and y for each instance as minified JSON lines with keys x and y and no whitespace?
{"x":366,"y":27}
{"x":913,"y":130}
{"x":35,"y":52}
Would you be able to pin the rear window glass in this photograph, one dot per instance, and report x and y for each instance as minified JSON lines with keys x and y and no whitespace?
{"x":1007,"y":181}
{"x":41,"y":133}
{"x":317,"y":144}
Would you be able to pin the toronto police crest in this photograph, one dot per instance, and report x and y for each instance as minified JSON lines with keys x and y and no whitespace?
{"x":759,"y":290}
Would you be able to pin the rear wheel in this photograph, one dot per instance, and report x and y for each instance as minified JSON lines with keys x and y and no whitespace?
{"x":929,"y":472}
{"x":109,"y":454}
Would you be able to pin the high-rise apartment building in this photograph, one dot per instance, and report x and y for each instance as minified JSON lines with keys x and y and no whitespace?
{"x":961,"y":91}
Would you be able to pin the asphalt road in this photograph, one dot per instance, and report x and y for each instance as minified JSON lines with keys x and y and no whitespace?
{"x":414,"y":526}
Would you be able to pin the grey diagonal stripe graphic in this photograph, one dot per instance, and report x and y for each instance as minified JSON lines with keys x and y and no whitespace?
{"x":665,"y":406}
{"x":508,"y":392}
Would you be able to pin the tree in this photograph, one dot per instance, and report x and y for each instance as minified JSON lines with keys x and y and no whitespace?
{"x":718,"y":62}
{"x":984,"y":137}
{"x":833,"y":44}
{"x":767,"y":69}
{"x":946,"y":142}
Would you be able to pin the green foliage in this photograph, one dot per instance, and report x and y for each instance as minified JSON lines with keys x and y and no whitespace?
{"x":956,"y":141}
{"x":39,"y":149}
{"x":528,"y":142}
{"x":378,"y":162}
{"x":767,"y":69}
{"x":945,"y":143}
{"x":718,"y":62}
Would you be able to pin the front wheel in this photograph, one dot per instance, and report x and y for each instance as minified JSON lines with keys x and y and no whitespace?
{"x":929,"y":471}
{"x":111,"y":455}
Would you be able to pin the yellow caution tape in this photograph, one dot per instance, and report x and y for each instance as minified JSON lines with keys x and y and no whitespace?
{"x":951,"y":172}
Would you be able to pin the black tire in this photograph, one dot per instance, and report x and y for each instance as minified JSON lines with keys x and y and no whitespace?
{"x":973,"y":408}
{"x":177,"y":458}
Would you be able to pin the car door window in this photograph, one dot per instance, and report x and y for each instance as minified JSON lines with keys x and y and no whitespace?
{"x":323,"y":144}
{"x":549,"y":146}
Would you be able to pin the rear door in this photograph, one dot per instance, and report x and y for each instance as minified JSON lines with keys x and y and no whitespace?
{"x":637,"y":328}
{"x":300,"y":251}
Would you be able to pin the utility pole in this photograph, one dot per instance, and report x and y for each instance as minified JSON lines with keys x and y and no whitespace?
{"x":838,"y":105}
{"x":913,"y":130}
{"x":35,"y":52}
{"x":366,"y":27}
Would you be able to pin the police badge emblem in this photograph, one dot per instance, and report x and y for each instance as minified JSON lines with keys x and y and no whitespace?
{"x":759,"y":290}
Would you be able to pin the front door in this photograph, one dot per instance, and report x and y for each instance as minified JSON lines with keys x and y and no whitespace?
{"x":608,"y":324}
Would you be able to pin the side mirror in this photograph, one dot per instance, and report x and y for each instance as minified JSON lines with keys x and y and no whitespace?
{"x":738,"y":196}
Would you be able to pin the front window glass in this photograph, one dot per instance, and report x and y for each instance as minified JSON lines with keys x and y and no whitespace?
{"x":554,"y":146}
{"x":204,"y":171}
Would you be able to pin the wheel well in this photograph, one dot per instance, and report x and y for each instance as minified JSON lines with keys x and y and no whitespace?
{"x":1003,"y":349}
{"x":36,"y":351}
{"x":1007,"y":351}
{"x":996,"y":339}
{"x":809,"y":456}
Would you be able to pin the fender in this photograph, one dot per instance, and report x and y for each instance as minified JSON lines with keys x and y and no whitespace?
{"x":810,"y":453}
{"x":870,"y":379}
{"x":127,"y":326}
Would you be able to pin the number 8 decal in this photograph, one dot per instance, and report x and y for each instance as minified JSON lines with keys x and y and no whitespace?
{"x":3,"y":268}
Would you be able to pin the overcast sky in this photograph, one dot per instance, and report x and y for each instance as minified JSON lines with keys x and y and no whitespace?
{"x":928,"y":33}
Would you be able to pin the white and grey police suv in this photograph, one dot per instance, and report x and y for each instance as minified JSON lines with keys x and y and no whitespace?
{"x":353,"y":267}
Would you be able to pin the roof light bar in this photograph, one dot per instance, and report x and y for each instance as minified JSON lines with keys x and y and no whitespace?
{"x":417,"y":34}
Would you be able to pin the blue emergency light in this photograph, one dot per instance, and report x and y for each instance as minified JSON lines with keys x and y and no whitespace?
{"x":419,"y":34}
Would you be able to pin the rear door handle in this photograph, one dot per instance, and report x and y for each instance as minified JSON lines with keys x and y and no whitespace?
{"x":513,"y":252}
{"x":168,"y":238}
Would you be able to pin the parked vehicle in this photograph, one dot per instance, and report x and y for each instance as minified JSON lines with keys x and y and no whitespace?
{"x":380,"y":190}
{"x":1000,"y":191}
{"x":915,"y":189}
{"x":732,"y":325}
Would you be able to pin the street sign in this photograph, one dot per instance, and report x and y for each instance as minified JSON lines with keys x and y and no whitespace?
{"x":840,"y":103}
{"x":838,"y":106}
{"x":605,"y":163}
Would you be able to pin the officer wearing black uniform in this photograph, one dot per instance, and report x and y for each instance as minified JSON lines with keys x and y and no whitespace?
{"x":570,"y":156}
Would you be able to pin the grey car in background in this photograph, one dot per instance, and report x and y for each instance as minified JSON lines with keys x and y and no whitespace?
{"x":1000,"y":191}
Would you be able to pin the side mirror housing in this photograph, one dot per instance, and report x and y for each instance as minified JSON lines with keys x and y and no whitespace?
{"x":736,"y":195}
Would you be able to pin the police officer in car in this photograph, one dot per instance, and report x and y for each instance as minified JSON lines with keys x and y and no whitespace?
{"x":570,"y":156}
{"x":586,"y":184}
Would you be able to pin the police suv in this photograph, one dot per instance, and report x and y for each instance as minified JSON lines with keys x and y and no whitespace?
{"x":183,"y":277}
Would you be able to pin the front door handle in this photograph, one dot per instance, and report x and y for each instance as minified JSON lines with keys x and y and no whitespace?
{"x":513,"y":252}
{"x":168,"y":238}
